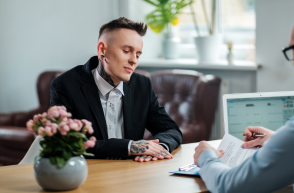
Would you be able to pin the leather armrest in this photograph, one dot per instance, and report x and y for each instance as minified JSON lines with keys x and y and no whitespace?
{"x":6,"y":118}
{"x":15,"y":137}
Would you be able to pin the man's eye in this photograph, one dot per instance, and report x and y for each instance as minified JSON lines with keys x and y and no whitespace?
{"x":125,"y":51}
{"x":138,"y":57}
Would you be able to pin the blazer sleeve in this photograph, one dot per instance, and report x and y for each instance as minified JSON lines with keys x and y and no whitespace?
{"x":104,"y":149}
{"x":60,"y":95}
{"x":160,"y":124}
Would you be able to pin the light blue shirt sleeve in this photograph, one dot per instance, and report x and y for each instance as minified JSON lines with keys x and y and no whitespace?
{"x":269,"y":169}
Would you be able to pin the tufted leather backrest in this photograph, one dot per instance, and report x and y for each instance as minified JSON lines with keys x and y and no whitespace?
{"x":190,"y":98}
{"x":43,"y":89}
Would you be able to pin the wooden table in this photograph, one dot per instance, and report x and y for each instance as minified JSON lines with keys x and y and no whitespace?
{"x":117,"y":175}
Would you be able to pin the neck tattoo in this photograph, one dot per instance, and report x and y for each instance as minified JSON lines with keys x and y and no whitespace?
{"x":104,"y":75}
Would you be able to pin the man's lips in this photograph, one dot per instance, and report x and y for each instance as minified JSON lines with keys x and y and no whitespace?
{"x":128,"y":69}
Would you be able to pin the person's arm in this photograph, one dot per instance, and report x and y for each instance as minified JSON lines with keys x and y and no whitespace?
{"x":160,"y":124}
{"x":269,"y":169}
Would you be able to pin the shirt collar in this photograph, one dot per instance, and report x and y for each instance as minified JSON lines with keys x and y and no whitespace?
{"x":103,"y":85}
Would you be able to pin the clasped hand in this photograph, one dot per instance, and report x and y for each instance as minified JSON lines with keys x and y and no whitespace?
{"x":146,"y":150}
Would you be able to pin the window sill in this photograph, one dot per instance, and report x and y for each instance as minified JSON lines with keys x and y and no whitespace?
{"x":194,"y":64}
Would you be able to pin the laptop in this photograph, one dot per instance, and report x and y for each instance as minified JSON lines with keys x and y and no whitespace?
{"x":269,"y":109}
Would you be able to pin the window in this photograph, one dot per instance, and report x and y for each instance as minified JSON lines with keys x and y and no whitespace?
{"x":236,"y":22}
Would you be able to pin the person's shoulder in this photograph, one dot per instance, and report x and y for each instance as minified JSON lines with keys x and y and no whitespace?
{"x":70,"y":75}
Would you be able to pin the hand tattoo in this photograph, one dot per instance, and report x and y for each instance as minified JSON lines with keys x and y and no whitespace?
{"x":139,"y":146}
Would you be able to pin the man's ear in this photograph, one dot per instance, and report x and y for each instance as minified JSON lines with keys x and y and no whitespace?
{"x":101,"y":46}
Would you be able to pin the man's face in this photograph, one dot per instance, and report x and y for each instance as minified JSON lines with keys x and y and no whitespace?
{"x":122,"y":51}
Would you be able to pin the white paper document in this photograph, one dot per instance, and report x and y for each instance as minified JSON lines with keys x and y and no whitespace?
{"x":235,"y":154}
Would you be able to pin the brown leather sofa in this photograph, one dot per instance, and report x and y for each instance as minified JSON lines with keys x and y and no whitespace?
{"x":188,"y":96}
{"x":15,"y":140}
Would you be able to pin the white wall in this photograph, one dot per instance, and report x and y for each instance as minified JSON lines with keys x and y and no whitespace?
{"x":274,"y":21}
{"x":36,"y":36}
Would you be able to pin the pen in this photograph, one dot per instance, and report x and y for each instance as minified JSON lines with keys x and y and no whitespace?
{"x":256,"y":134}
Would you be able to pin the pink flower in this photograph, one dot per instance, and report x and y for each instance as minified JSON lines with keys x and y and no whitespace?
{"x":86,"y":122}
{"x":63,"y":132}
{"x":62,"y":107}
{"x":53,"y":113}
{"x":48,"y":131}
{"x":80,"y":125}
{"x":87,"y":126}
{"x":54,"y":127}
{"x":30,"y":125}
{"x":64,"y":114}
{"x":75,"y":124}
{"x":63,"y":128}
{"x":41,"y":131}
{"x":37,"y":117}
{"x":89,"y":143}
{"x":93,"y":139}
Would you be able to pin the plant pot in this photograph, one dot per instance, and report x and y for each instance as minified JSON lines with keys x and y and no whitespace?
{"x":171,"y":46}
{"x":71,"y":176}
{"x":208,"y":47}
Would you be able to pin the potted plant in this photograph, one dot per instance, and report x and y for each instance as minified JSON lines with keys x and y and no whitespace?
{"x":60,"y":165}
{"x":207,"y":47}
{"x":164,"y":17}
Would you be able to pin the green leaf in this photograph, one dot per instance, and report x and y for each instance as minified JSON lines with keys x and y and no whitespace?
{"x":81,"y":143}
{"x":67,"y":155}
{"x":60,"y":162}
{"x":78,"y":135}
{"x":151,"y":2}
{"x":52,"y":160}
{"x":88,"y":154}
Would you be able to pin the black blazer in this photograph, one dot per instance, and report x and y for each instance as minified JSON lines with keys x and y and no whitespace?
{"x":77,"y":91}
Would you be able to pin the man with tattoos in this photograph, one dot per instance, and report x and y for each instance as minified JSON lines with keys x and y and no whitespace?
{"x":119,"y":102}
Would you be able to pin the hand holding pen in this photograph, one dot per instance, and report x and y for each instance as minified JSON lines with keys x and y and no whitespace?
{"x":256,"y":136}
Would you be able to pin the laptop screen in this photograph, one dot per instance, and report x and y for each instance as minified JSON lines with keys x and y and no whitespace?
{"x":269,"y":112}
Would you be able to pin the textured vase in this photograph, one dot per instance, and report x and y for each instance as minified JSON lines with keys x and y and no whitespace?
{"x":208,"y":47}
{"x":71,"y":176}
{"x":171,"y":46}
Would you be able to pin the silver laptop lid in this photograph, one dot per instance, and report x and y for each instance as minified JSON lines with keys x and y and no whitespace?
{"x":270,"y":110}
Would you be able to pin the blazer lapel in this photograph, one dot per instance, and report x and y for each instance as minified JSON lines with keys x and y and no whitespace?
{"x":91,"y":93}
{"x":128,"y":111}
{"x":93,"y":99}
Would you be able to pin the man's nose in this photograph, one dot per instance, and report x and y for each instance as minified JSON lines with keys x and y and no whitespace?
{"x":133,"y":59}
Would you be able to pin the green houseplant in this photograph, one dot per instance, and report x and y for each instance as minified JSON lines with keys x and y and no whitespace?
{"x":164,"y":17}
{"x":166,"y":12}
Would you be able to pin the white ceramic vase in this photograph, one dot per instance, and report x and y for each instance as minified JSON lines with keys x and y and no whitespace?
{"x":208,"y":47}
{"x":71,"y":176}
{"x":230,"y":57}
{"x":171,"y":46}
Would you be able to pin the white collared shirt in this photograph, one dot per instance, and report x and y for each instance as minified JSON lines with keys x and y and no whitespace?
{"x":111,"y":101}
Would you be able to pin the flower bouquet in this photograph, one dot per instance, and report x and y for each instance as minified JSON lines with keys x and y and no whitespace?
{"x":64,"y":141}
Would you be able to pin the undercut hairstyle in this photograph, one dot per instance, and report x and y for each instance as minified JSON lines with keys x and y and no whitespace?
{"x":123,"y":22}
